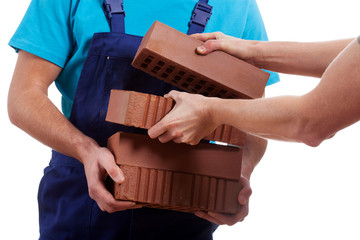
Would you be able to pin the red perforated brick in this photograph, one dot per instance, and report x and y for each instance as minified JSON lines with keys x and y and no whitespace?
{"x":144,"y":110}
{"x":177,"y":176}
{"x":170,"y":56}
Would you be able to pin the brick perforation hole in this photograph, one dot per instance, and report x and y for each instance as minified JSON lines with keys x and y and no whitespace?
{"x":184,"y":79}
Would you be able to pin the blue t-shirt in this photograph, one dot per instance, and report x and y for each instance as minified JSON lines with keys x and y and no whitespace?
{"x":60,"y":30}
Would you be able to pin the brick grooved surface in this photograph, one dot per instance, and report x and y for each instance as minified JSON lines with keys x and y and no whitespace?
{"x":144,"y":110}
{"x":137,"y":183}
{"x":204,"y":192}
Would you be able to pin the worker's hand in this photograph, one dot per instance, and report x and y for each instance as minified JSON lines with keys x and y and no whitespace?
{"x":240,"y":48}
{"x":231,"y":219}
{"x":98,"y":164}
{"x":188,"y":122}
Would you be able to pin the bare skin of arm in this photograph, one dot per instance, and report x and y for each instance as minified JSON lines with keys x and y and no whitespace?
{"x":31,"y":110}
{"x":308,"y":59}
{"x":311,"y":118}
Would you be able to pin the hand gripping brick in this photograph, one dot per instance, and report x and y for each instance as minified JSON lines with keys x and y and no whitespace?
{"x":176,"y":176}
{"x":144,"y":110}
{"x":170,"y":56}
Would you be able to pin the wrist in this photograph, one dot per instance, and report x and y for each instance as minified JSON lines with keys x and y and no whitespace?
{"x":212,"y":109}
{"x":258,"y":58}
{"x":84,"y":148}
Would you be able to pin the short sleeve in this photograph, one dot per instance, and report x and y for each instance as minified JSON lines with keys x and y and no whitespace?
{"x":255,"y":30}
{"x":45,"y":31}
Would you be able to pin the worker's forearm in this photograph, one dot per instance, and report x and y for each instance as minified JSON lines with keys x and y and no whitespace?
{"x":31,"y":110}
{"x":309,"y":59}
{"x":34,"y":113}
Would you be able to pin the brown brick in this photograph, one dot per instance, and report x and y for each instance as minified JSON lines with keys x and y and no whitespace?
{"x":170,"y":56}
{"x":176,"y":176}
{"x":144,"y":110}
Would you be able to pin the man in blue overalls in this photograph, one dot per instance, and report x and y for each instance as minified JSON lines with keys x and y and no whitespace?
{"x":54,"y":39}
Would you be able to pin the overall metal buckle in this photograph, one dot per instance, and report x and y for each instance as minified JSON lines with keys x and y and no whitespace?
{"x":201,"y":14}
{"x":113,"y":7}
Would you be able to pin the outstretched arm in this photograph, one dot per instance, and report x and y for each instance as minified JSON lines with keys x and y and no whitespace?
{"x":309,"y":59}
{"x":31,"y":110}
{"x":311,"y":118}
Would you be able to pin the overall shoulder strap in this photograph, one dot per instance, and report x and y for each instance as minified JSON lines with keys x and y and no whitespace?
{"x":115,"y":14}
{"x":114,"y":10}
{"x":200,"y":16}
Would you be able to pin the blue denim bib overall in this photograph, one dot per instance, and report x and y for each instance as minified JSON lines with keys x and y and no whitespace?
{"x":65,"y":209}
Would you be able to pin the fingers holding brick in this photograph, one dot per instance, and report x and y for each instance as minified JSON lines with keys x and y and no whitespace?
{"x":240,"y":48}
{"x":212,"y":45}
{"x":231,"y":219}
{"x":170,"y":135}
{"x":188,"y":122}
{"x":209,"y":36}
{"x":173,"y":94}
{"x":98,"y":164}
{"x":245,"y":192}
{"x":212,"y":42}
{"x":158,"y":130}
{"x":106,"y":201}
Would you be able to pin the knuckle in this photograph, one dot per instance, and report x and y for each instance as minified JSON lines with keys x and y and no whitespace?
{"x":176,"y":134}
{"x":218,"y":34}
{"x":181,"y":95}
{"x":211,"y":44}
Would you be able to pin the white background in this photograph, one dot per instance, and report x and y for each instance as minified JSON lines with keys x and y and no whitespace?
{"x":298,"y":192}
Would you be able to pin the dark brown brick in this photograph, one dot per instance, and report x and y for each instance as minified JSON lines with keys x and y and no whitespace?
{"x":170,"y":56}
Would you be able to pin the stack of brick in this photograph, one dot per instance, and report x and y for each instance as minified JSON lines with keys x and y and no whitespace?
{"x":177,"y":176}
